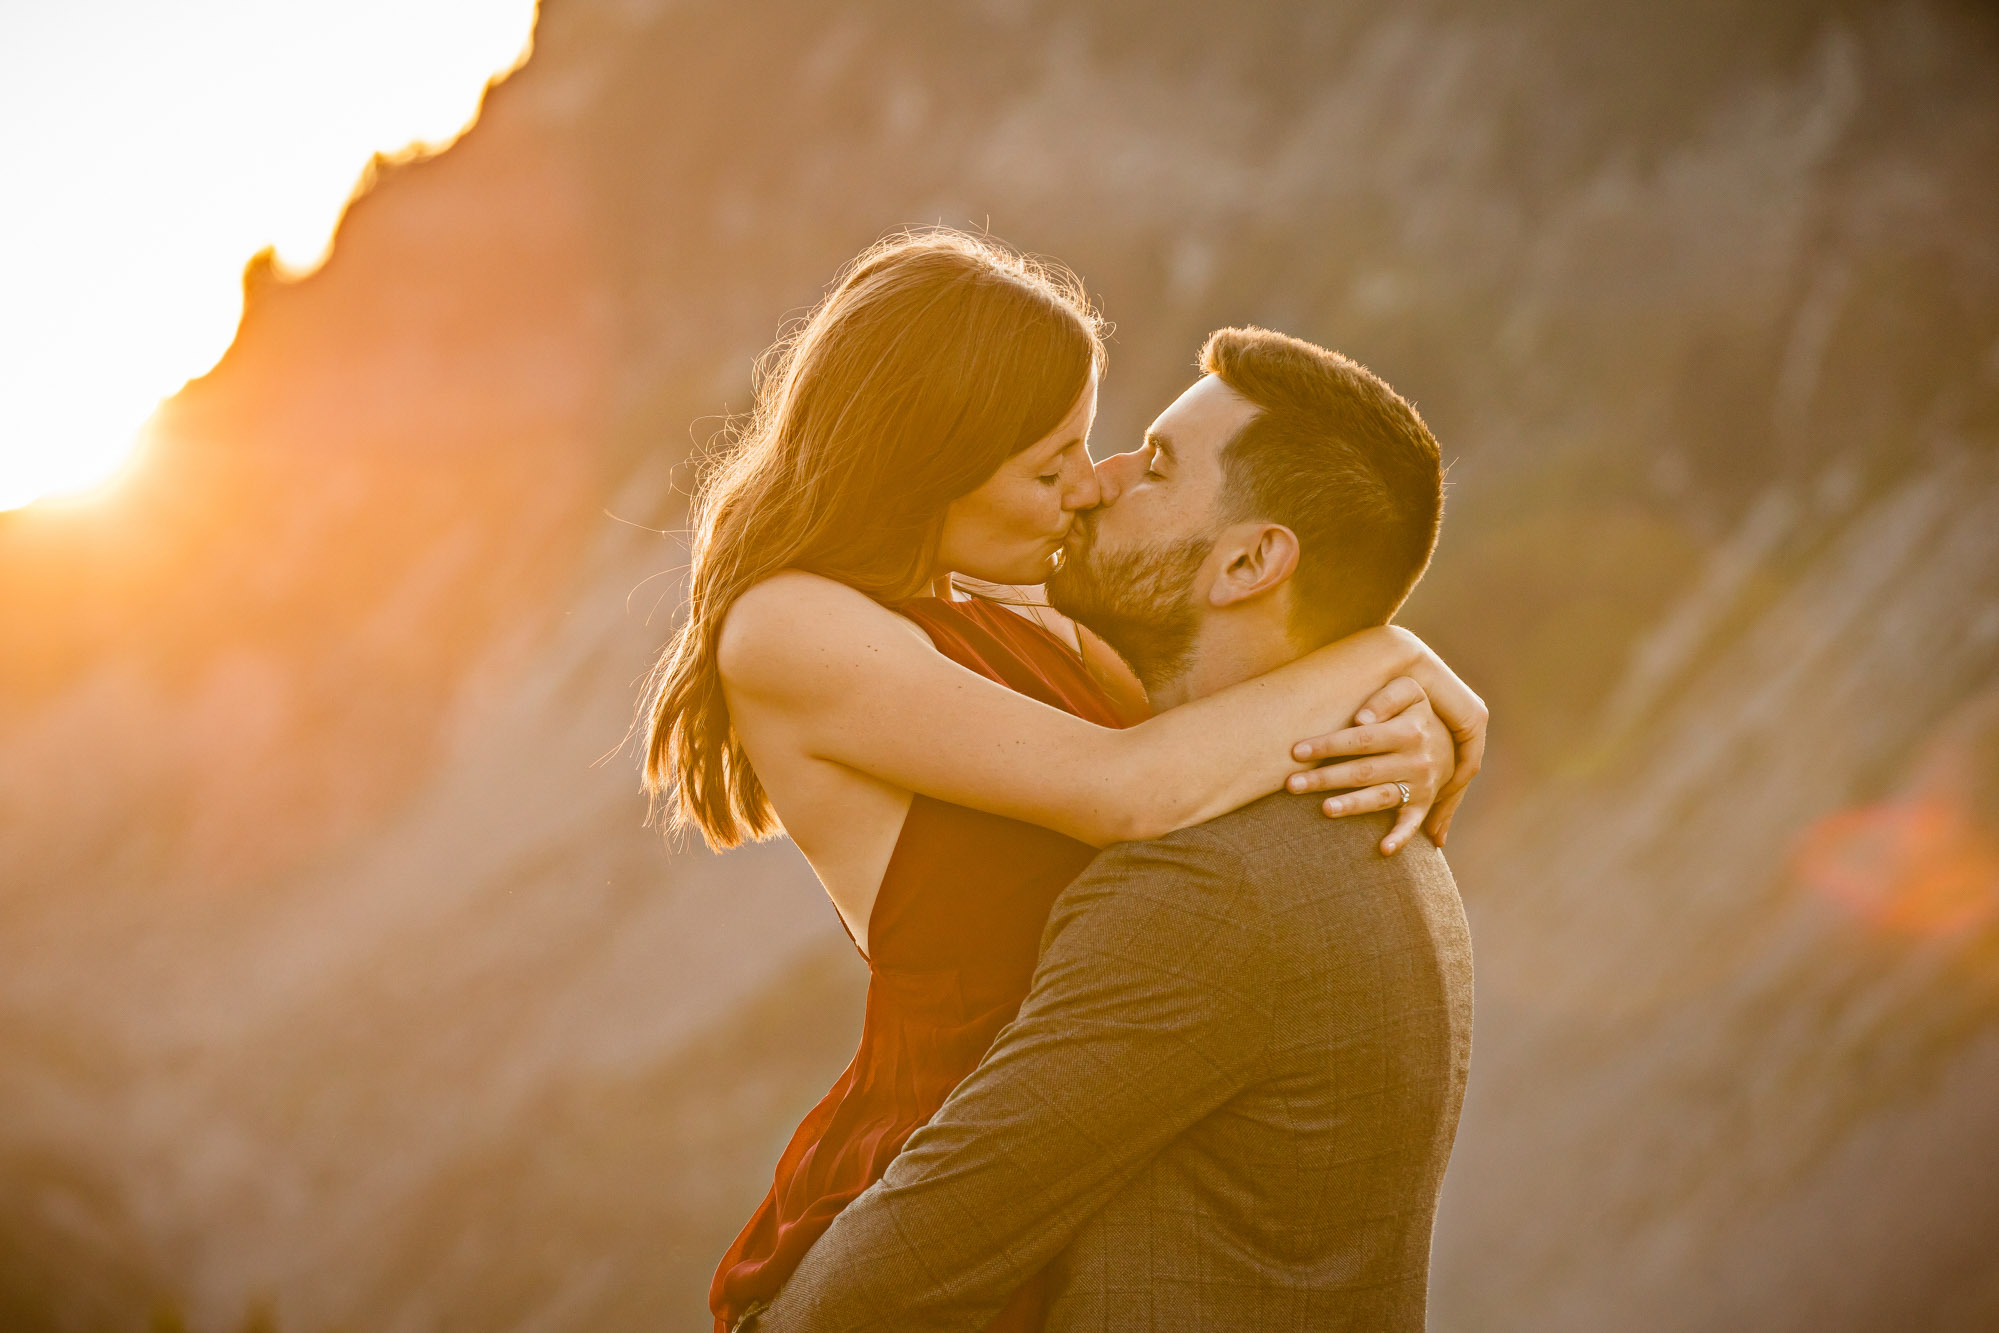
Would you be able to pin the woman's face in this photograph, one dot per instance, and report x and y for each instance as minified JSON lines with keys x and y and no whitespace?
{"x":1011,"y":528}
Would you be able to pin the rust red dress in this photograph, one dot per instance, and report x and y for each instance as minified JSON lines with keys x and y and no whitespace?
{"x":955,"y":931}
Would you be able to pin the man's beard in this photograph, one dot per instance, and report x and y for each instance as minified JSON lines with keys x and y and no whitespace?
{"x":1140,"y":601}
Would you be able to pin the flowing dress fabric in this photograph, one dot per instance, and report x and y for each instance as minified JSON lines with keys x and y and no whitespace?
{"x":955,"y":932}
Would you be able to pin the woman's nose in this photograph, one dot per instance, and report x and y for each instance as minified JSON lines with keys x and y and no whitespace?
{"x":1081,"y":490}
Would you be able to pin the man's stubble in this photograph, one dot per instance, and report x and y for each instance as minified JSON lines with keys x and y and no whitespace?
{"x":1140,"y":601}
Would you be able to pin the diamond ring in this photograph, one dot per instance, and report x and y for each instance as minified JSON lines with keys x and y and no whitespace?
{"x":1405,"y":791}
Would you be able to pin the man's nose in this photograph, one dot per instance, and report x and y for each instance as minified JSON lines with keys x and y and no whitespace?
{"x":1116,"y":472}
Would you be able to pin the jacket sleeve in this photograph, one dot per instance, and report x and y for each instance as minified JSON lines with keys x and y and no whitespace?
{"x":1148,"y":1010}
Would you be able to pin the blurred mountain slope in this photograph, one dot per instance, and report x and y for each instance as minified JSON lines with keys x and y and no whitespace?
{"x":343,"y":977}
{"x":1726,"y":1034}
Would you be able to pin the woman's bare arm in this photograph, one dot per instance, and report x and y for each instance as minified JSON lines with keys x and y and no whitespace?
{"x":858,"y":685}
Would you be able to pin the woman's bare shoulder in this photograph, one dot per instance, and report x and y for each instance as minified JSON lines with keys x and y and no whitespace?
{"x":789,"y":624}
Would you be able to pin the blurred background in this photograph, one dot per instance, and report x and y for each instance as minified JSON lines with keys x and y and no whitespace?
{"x":342,"y":988}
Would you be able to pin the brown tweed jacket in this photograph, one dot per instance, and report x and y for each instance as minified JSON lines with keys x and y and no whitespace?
{"x":1226,"y":1103}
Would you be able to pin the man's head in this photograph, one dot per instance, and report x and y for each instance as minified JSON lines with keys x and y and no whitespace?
{"x":1288,"y":493}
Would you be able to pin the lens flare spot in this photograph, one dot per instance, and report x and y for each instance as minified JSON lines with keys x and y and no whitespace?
{"x":1915,"y":867}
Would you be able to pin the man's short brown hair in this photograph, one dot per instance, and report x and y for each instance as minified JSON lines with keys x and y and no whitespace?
{"x":1343,"y":461}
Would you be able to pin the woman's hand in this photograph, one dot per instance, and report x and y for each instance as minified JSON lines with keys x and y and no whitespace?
{"x":1461,"y":710}
{"x":1409,"y":747}
{"x":1404,"y":740}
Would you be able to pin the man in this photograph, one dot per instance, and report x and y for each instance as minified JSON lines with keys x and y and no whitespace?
{"x":1229,"y":1097}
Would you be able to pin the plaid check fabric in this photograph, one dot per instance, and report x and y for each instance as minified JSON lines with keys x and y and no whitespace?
{"x":1226,"y":1104}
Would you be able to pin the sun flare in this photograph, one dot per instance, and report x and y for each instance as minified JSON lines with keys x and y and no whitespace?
{"x":153,"y":149}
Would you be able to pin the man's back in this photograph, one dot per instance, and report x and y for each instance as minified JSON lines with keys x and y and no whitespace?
{"x":1226,"y":1103}
{"x":1307,"y":1199}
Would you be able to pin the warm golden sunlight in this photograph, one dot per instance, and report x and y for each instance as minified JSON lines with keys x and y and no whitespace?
{"x":536,"y":489}
{"x":153,"y":149}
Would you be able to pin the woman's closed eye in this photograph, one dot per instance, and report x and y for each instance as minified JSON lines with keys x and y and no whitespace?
{"x":1060,"y":465}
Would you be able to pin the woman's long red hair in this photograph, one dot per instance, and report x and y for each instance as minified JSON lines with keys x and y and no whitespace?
{"x":935,"y":357}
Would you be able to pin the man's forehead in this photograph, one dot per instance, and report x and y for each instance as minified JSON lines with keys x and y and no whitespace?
{"x":1204,"y":418}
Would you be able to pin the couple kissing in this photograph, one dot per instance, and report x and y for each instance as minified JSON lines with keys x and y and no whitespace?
{"x":1159,"y":1034}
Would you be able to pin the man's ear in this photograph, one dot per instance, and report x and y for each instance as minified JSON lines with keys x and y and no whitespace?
{"x":1256,"y":558}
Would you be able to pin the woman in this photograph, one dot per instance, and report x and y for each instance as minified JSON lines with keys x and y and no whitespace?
{"x":946,"y":764}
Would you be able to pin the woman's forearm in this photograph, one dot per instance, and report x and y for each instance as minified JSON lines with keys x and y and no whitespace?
{"x":1222,"y":751}
{"x":814,"y":667}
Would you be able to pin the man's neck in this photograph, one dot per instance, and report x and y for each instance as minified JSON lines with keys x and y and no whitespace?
{"x":1224,"y":654}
